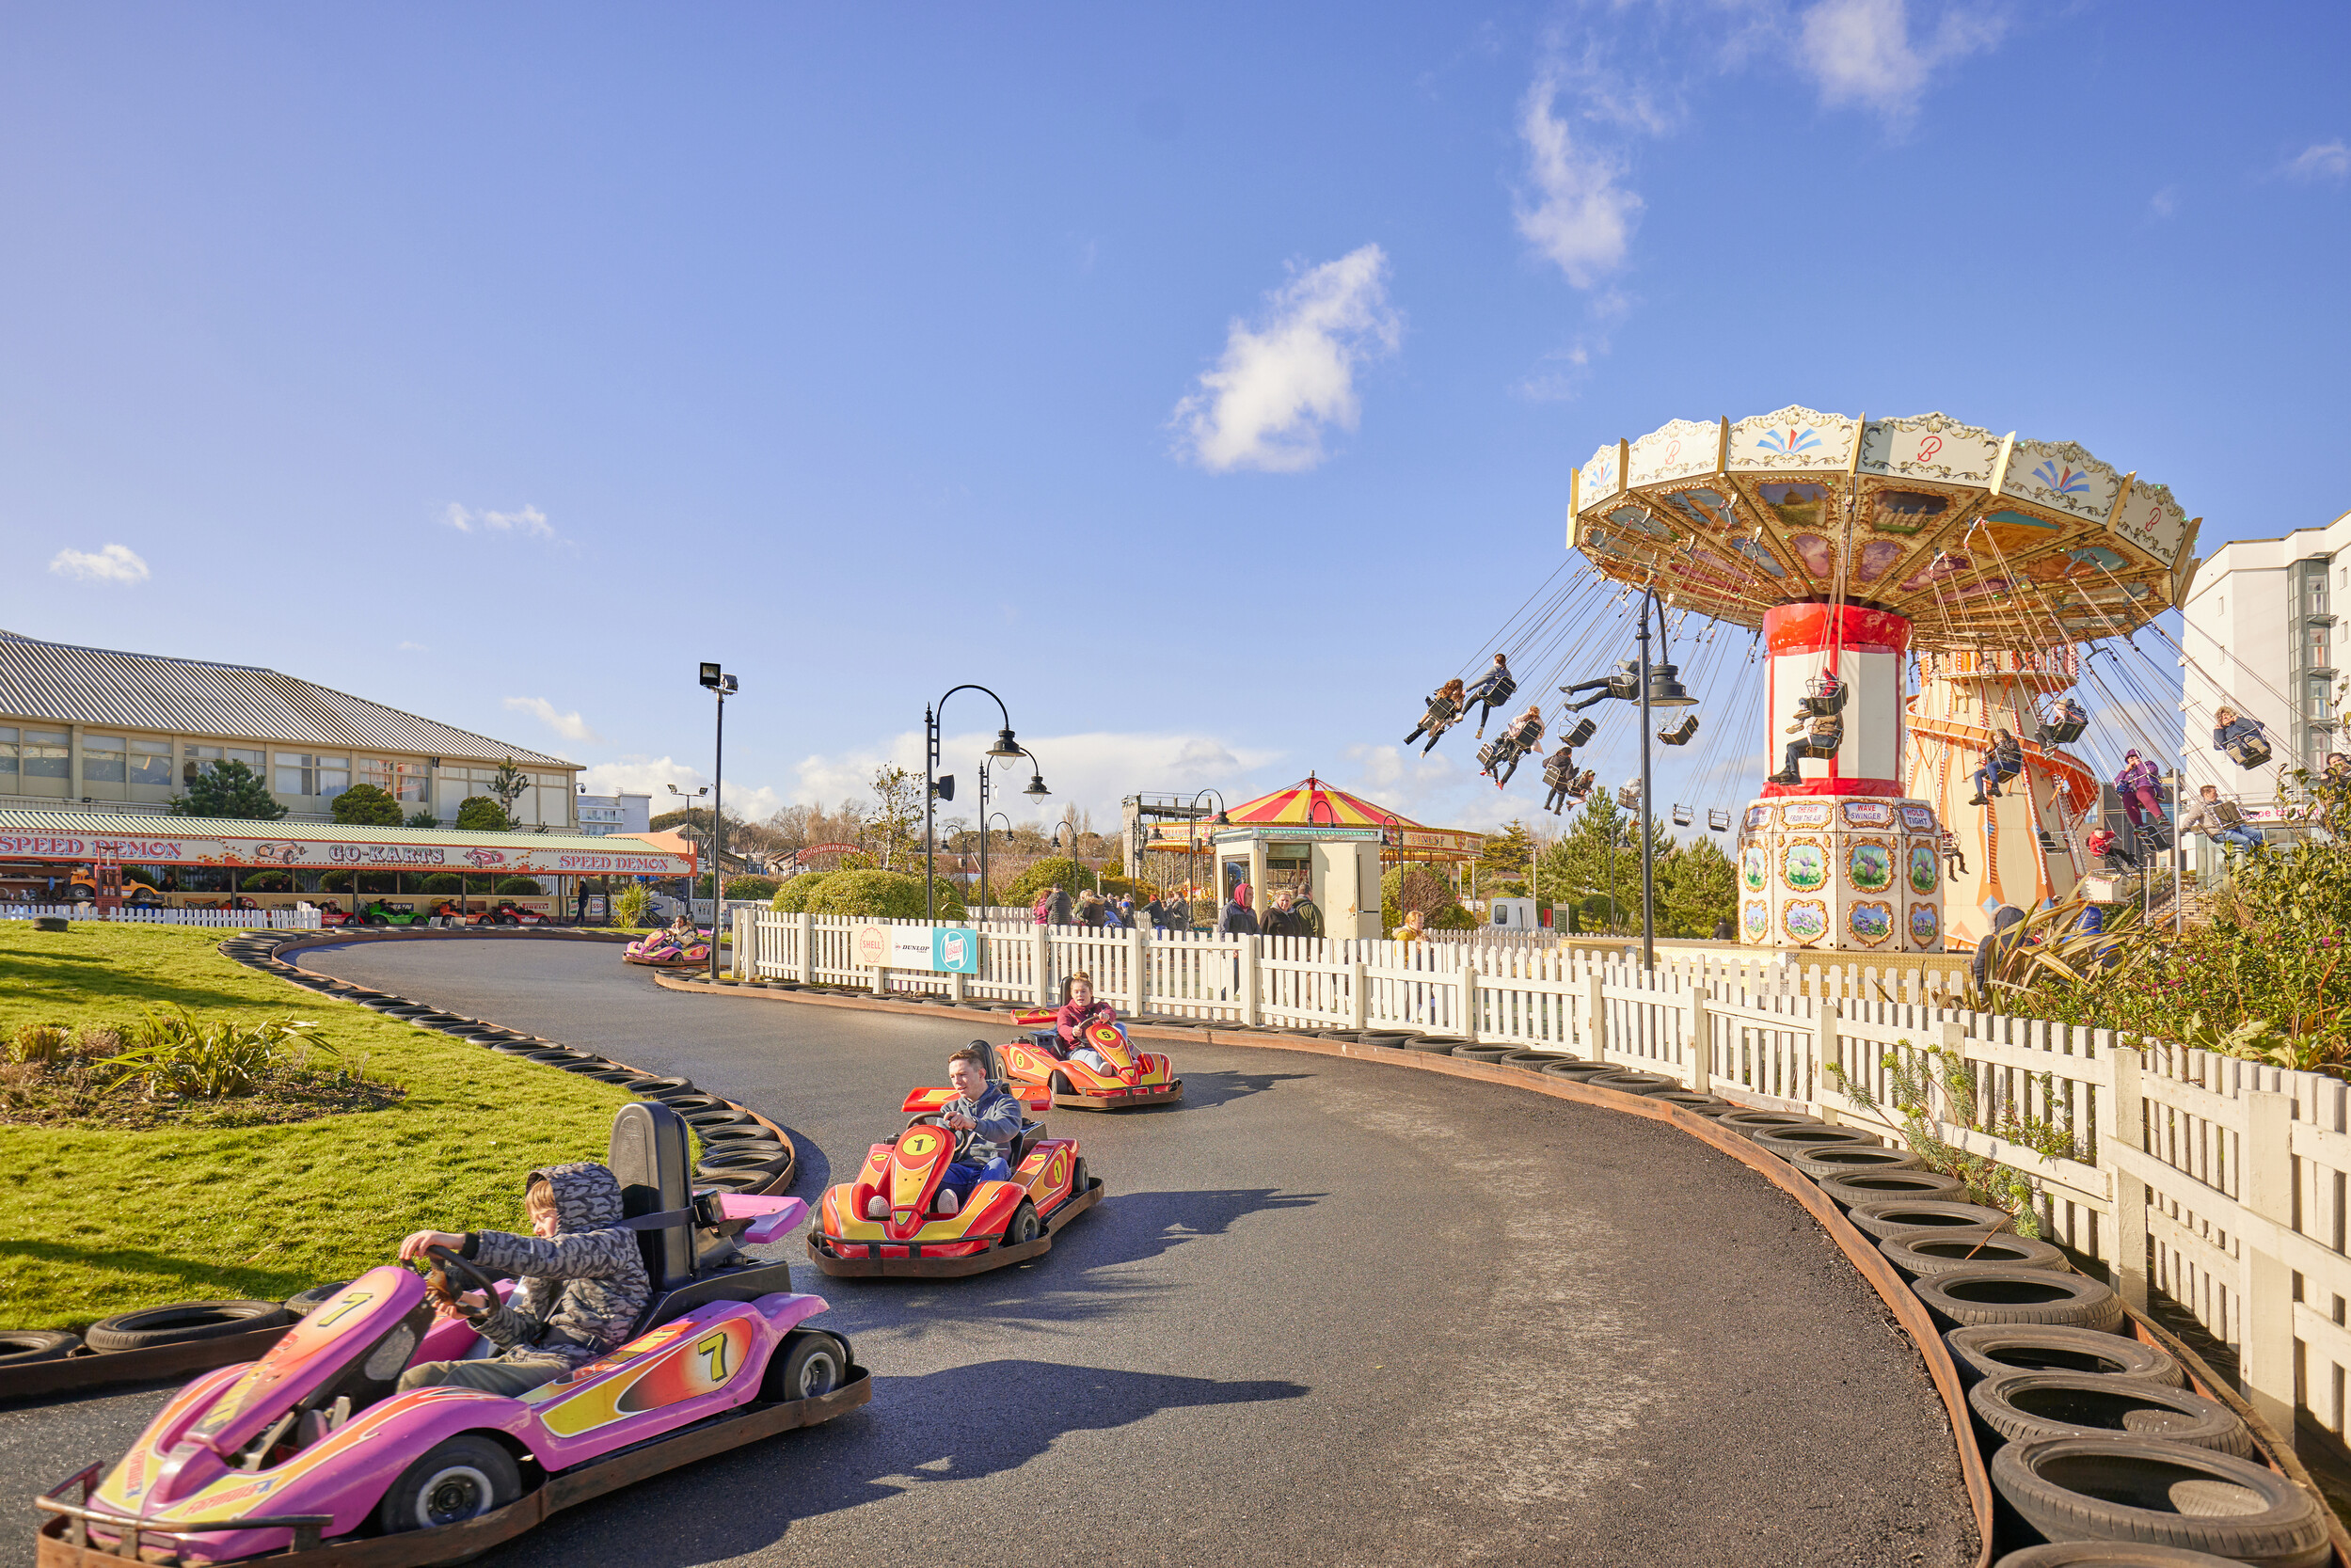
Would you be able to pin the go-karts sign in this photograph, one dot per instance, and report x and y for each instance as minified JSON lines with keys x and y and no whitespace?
{"x":949,"y":949}
{"x":323,"y":854}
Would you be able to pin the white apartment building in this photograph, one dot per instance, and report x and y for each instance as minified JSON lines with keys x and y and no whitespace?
{"x":2262,"y":638}
{"x":601,"y":816}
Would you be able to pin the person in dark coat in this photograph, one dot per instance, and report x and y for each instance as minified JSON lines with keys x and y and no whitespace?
{"x":1179,"y":914}
{"x":1309,"y":914}
{"x":1238,"y":918}
{"x":1064,"y":913}
{"x":1279,"y":920}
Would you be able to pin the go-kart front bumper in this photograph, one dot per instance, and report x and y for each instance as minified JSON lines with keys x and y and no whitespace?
{"x":68,"y":1536}
{"x":851,"y":1260}
{"x":1119,"y":1099}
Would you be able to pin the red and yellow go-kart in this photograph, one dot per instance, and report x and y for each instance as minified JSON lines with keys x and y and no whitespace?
{"x":1002,"y":1222}
{"x":1136,"y":1077}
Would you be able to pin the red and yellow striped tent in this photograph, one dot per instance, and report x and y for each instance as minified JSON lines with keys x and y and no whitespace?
{"x":1311,"y":804}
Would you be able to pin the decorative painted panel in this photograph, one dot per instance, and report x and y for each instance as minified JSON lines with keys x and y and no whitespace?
{"x":1793,"y":438}
{"x":1930,"y":446}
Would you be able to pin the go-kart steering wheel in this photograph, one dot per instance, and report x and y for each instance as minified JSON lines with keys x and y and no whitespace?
{"x":445,"y":1262}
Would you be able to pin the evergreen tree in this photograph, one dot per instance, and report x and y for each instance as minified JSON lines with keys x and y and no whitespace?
{"x":482,"y":813}
{"x":365,"y":806}
{"x":421,"y":819}
{"x":1700,"y":888}
{"x":229,"y":789}
{"x":1575,"y":867}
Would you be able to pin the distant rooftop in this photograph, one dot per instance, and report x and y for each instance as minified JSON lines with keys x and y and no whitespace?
{"x":186,"y":696}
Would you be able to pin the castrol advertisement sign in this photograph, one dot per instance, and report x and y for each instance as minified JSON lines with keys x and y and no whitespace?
{"x":519,"y":853}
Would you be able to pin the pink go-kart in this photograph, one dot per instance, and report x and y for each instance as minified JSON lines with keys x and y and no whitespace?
{"x":664,"y":950}
{"x":310,"y":1454}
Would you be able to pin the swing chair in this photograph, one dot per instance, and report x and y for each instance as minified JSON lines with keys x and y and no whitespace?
{"x":2061,"y":726}
{"x":1718,"y":819}
{"x":1826,"y":695}
{"x":1628,"y":795}
{"x":1586,"y":729}
{"x":1679,"y":735}
{"x":2249,"y":751}
{"x":1681,"y":816}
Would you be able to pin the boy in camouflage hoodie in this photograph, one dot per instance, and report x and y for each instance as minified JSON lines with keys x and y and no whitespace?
{"x":584,"y":1284}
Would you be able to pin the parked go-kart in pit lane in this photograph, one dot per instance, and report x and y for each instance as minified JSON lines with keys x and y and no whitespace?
{"x":1326,"y":1311}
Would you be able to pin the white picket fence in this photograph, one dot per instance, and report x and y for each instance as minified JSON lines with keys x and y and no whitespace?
{"x":236,"y":920}
{"x":2218,"y":1183}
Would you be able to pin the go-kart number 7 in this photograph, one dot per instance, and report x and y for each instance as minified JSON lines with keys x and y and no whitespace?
{"x":713,"y":1352}
{"x":346,"y":1308}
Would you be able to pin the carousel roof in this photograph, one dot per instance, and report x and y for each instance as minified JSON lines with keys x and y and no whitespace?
{"x":1311,"y":804}
{"x":1980,"y":539}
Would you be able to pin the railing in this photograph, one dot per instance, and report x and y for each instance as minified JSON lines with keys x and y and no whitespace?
{"x":239,"y":920}
{"x":2221,"y":1184}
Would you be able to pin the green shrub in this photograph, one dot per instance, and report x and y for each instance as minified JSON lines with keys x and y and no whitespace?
{"x":421,"y":819}
{"x":883,"y":894}
{"x":793,"y":895}
{"x":172,"y":1054}
{"x":40,"y":1042}
{"x":365,"y":806}
{"x":444,"y":882}
{"x":482,"y":813}
{"x":751,"y":887}
{"x":630,"y":903}
{"x":229,"y":789}
{"x":527,"y":887}
{"x":1404,"y":888}
{"x":265,"y":881}
{"x":1059,"y":871}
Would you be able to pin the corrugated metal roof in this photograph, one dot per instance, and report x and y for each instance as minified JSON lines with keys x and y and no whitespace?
{"x":145,"y":691}
{"x":103,"y":824}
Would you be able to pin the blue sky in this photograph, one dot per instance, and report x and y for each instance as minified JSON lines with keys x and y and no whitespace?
{"x":1203,"y":379}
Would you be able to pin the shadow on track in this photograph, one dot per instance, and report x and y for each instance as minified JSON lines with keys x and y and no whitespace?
{"x":1207,"y":1090}
{"x":959,"y":1424}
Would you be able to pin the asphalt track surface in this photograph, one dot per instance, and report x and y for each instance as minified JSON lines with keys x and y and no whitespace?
{"x":1330,"y":1312}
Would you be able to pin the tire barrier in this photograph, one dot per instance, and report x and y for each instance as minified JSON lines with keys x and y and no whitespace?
{"x":1988,"y":1293}
{"x":1748,"y":1123}
{"x":1849,"y":1188}
{"x":1919,"y":1256}
{"x":1636,"y":1082}
{"x":1998,"y":1348}
{"x":1832,"y":1160}
{"x":183,"y":1324}
{"x":2039,"y":1408}
{"x":1931,"y":1216}
{"x":2111,"y":1554}
{"x":2141,"y":1490}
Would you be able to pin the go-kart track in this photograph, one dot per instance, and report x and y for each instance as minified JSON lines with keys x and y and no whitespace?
{"x":1329,"y":1311}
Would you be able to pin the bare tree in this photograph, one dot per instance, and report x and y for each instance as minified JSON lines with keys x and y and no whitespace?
{"x":898,"y":810}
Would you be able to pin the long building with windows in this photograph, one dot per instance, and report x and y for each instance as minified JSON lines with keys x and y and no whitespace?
{"x":91,"y":729}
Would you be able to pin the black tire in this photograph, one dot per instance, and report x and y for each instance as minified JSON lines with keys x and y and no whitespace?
{"x":742,"y":1158}
{"x":1481,"y":1052}
{"x":690,"y":1104}
{"x":1835,"y":1160}
{"x":808,"y":1364}
{"x":1429,"y":1047}
{"x":1932,"y":1215}
{"x":181,"y":1322}
{"x":729,"y":1134}
{"x":2110,"y":1554}
{"x":1625,"y":1081}
{"x":1060,"y":1083}
{"x":1748,"y":1123}
{"x":1079,"y":1179}
{"x":1879,"y":1186}
{"x":1576,"y":1072}
{"x":2041,"y":1407}
{"x":662,"y":1089}
{"x":1691,"y":1099}
{"x":1993,"y":1349}
{"x":2161,"y":1494}
{"x":1533,"y":1061}
{"x":461,"y":1479}
{"x":1789,"y":1141}
{"x":1025,"y":1225}
{"x":1921,"y":1256}
{"x":1989,"y":1294}
{"x":20,"y":1346}
{"x":735,"y":1181}
{"x":302,"y":1303}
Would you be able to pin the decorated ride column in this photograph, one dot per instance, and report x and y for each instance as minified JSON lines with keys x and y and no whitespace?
{"x":1835,"y":856}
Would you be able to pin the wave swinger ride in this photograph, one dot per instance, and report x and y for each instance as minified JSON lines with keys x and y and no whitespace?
{"x":1852,"y":545}
{"x":310,"y":1456}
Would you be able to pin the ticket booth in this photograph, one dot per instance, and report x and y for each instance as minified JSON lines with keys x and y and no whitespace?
{"x":1338,"y":867}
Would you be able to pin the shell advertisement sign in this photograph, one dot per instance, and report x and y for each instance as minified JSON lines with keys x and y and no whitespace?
{"x":948,"y":949}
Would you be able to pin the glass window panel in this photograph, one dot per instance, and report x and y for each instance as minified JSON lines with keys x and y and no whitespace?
{"x":291,"y":782}
{"x":255,"y":760}
{"x":334,"y":776}
{"x":102,"y":759}
{"x":45,"y":756}
{"x":149,"y":766}
{"x":8,"y":750}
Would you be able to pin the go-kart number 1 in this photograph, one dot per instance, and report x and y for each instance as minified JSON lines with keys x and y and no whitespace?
{"x":713,"y":1352}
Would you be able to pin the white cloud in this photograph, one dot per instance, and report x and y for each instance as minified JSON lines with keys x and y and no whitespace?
{"x":113,"y":563}
{"x":1578,"y":214}
{"x":569,"y":725}
{"x":1861,"y":52}
{"x":1283,"y":384}
{"x":2327,"y":160}
{"x":2165,"y":203}
{"x":640,"y":775}
{"x":530,"y":520}
{"x":411,"y":648}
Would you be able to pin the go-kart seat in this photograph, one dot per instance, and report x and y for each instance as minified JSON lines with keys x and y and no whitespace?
{"x":650,"y":1158}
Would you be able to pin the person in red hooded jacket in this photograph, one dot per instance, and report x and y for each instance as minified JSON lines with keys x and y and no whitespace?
{"x":1239,"y":919}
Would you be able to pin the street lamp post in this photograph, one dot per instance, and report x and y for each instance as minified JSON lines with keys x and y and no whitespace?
{"x":1660,"y":687}
{"x":1036,"y":789}
{"x":936,"y":789}
{"x":721,"y":685}
{"x":1193,"y":837}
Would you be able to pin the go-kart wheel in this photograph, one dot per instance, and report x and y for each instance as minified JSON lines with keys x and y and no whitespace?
{"x":1060,"y":1083}
{"x":809,"y":1364}
{"x":1078,"y":1179}
{"x":462,"y":1479}
{"x":1026,"y":1227}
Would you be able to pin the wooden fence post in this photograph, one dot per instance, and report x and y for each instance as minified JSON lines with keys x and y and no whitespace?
{"x":1595,"y":1013}
{"x":1043,"y":953}
{"x":1248,"y":978}
{"x":2266,"y":1184}
{"x":1139,"y":972}
{"x":744,"y":963}
{"x":807,"y":970}
{"x":1469,"y":1024}
{"x":1360,"y":995}
{"x":1824,"y":1018}
{"x":2122,"y":1125}
{"x":1699,"y":1051}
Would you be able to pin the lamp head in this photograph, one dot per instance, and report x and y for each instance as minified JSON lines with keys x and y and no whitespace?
{"x":712,"y":677}
{"x":1037,"y":786}
{"x":1006,"y":746}
{"x":1666,"y":690}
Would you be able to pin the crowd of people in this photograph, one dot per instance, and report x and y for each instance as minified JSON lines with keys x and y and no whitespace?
{"x":1290,"y":912}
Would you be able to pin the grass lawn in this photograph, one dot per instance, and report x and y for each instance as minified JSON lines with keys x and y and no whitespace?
{"x":93,"y":1223}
